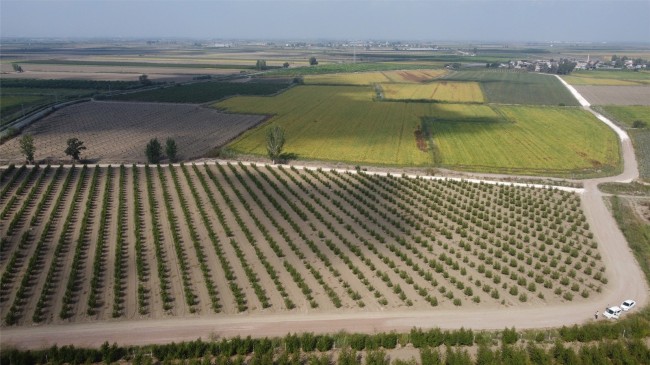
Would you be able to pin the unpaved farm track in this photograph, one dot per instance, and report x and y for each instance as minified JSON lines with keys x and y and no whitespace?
{"x":626,"y":280}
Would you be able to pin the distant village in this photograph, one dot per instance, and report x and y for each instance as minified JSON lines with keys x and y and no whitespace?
{"x":563,"y":66}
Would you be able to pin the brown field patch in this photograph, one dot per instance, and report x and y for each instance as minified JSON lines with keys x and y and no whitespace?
{"x":119,"y":132}
{"x":615,"y":95}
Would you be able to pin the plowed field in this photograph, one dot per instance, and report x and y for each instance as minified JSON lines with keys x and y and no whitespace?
{"x":119,"y":131}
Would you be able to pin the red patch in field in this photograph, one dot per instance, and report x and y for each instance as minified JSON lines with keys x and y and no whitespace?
{"x":420,"y":140}
{"x":408,"y":76}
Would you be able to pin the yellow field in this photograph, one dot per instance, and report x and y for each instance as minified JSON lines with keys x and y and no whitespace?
{"x":375,"y":77}
{"x":343,"y":123}
{"x":339,"y":123}
{"x":361,"y":78}
{"x":441,"y":91}
{"x":413,"y":76}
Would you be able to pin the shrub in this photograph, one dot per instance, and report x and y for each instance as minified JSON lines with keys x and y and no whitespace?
{"x":509,"y":336}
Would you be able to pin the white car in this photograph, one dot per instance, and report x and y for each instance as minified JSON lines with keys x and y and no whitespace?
{"x":628,"y":304}
{"x":612,"y":312}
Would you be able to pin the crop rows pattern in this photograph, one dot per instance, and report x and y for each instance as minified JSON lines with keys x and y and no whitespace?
{"x":155,"y":241}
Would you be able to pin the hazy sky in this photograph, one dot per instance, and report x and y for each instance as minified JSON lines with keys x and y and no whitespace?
{"x":466,"y":20}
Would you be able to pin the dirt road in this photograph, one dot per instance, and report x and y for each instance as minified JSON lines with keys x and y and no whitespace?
{"x":626,"y":280}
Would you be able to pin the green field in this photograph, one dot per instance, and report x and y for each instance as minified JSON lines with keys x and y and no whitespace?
{"x":203,"y":92}
{"x":341,"y":123}
{"x":526,"y":139}
{"x":626,"y":115}
{"x":336,"y":123}
{"x":608,"y":77}
{"x":512,"y":87}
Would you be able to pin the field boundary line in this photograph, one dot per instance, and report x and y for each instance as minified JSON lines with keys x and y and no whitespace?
{"x":415,"y":176}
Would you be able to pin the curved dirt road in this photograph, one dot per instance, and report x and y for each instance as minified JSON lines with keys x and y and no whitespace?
{"x":626,"y":280}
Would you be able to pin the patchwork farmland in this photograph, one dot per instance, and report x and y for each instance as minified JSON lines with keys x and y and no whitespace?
{"x":344,"y":123}
{"x":95,"y":243}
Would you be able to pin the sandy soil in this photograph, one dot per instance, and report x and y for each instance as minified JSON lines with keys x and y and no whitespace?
{"x":116,"y":132}
{"x":621,"y":267}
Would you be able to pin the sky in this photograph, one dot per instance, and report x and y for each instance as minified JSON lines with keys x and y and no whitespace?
{"x":453,"y":20}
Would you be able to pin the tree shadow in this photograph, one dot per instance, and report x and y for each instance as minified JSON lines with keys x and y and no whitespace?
{"x":286,"y":157}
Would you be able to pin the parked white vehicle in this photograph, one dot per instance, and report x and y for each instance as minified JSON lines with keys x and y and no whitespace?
{"x":612,"y":312}
{"x":628,"y":304}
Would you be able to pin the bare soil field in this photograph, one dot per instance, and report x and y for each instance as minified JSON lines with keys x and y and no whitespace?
{"x":615,"y":95}
{"x":219,"y":240}
{"x":119,"y":131}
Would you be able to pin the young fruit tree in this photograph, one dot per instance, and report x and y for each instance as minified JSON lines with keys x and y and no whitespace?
{"x":27,"y":147}
{"x":274,"y":142}
{"x":171,"y":149}
{"x":75,"y":146}
{"x":153,"y":151}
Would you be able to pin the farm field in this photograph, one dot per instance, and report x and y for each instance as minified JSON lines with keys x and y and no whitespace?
{"x":455,"y":92}
{"x":127,"y":242}
{"x":119,"y":131}
{"x":608,"y":78}
{"x":615,"y":95}
{"x":370,"y":78}
{"x":344,"y":124}
{"x":25,"y":95}
{"x":512,"y":87}
{"x":626,"y":115}
{"x":203,"y":92}
{"x":527,"y":139}
{"x":335,"y":123}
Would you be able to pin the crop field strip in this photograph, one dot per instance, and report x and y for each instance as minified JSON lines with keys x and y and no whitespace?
{"x":122,"y":242}
{"x":444,"y":91}
{"x":343,"y":123}
{"x":513,"y":87}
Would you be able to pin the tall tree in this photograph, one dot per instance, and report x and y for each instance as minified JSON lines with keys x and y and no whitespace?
{"x":313,"y":61}
{"x":144,"y":79}
{"x":274,"y":142}
{"x":261,"y":65}
{"x":27,"y":147}
{"x":153,"y":151}
{"x":171,"y":149}
{"x":75,"y":146}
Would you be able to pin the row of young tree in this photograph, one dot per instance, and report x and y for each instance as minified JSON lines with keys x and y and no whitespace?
{"x":434,"y":347}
